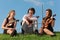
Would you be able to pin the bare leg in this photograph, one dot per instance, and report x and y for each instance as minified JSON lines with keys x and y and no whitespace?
{"x":9,"y":31}
{"x":48,"y":31}
{"x":41,"y":30}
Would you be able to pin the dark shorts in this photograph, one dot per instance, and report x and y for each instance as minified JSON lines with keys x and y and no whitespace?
{"x":5,"y":31}
{"x":50,"y":28}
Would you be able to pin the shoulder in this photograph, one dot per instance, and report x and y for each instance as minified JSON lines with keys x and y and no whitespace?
{"x":6,"y":19}
{"x":44,"y":18}
{"x":26,"y":15}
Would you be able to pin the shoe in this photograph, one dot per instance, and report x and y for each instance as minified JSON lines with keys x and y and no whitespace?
{"x":52,"y":35}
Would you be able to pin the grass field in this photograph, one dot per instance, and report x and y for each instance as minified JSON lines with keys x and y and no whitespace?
{"x":30,"y":37}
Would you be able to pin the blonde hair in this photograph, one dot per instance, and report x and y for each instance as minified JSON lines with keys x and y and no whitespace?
{"x":10,"y":13}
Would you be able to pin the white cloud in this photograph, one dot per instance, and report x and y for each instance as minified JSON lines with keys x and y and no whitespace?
{"x":35,"y":2}
{"x":39,"y":3}
{"x":51,"y":3}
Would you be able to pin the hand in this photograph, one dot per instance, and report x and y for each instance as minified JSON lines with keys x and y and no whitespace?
{"x":47,"y":22}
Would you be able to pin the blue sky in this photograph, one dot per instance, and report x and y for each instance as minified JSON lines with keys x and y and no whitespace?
{"x":21,"y":7}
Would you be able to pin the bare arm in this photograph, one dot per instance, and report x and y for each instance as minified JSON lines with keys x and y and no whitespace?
{"x":43,"y":23}
{"x":26,"y":20}
{"x":3,"y":24}
{"x":52,"y":21}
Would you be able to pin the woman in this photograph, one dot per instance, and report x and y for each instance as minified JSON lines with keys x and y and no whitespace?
{"x":48,"y":23}
{"x":9,"y":24}
{"x":27,"y":24}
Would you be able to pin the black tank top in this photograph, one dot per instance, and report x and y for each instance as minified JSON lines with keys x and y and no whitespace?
{"x":12,"y":26}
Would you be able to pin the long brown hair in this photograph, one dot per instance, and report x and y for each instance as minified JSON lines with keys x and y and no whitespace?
{"x":50,"y":12}
{"x":10,"y":13}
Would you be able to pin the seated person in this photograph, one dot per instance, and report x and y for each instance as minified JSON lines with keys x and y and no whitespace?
{"x":48,"y":23}
{"x":9,"y":24}
{"x":27,"y":23}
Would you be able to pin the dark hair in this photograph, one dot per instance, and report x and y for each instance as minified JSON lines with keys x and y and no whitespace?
{"x":32,"y":10}
{"x":50,"y":12}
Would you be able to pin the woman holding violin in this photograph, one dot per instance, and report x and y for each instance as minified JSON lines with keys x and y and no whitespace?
{"x":48,"y":24}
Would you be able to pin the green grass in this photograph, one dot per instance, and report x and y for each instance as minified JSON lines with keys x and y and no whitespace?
{"x":30,"y":37}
